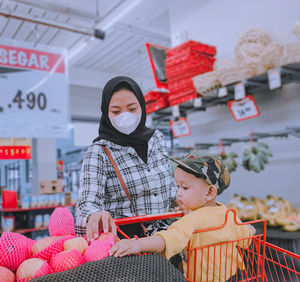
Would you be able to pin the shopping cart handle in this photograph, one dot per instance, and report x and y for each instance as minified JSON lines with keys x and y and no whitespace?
{"x":145,"y":218}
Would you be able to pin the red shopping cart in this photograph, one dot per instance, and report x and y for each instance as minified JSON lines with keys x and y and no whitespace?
{"x":247,"y":259}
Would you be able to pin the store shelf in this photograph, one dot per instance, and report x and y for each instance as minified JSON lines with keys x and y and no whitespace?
{"x":28,"y":230}
{"x":255,"y":85}
{"x":278,"y":233}
{"x":37,"y":208}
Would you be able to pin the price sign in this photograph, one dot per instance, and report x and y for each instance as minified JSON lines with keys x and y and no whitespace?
{"x":197,"y":103}
{"x":222,"y":92}
{"x":274,"y":78}
{"x":175,"y":111}
{"x":34,"y":96}
{"x":239,"y":91}
{"x":244,"y":109}
{"x":180,"y":127}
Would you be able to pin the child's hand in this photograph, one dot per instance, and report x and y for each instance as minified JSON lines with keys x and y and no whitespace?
{"x":181,"y":207}
{"x":125,"y":247}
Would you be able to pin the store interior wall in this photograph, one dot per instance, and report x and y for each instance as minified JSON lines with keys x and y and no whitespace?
{"x":85,"y":101}
{"x":215,"y":22}
{"x":219,"y":22}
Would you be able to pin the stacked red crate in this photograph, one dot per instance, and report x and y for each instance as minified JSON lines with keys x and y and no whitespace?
{"x":183,"y":62}
{"x":155,"y":101}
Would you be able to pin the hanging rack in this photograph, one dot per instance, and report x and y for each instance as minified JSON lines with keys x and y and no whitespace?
{"x":289,"y":130}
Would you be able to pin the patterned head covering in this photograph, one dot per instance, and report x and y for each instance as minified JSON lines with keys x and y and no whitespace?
{"x":206,"y":166}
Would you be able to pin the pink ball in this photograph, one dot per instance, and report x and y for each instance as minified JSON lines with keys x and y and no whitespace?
{"x":66,"y":260}
{"x":99,"y":249}
{"x":14,"y":249}
{"x":61,"y":223}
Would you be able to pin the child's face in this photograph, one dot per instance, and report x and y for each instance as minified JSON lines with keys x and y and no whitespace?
{"x":192,"y":191}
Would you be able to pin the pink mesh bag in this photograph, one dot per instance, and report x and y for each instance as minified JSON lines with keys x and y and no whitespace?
{"x":14,"y":249}
{"x":53,"y":249}
{"x":45,"y":269}
{"x":99,"y":249}
{"x":66,"y":260}
{"x":61,"y":223}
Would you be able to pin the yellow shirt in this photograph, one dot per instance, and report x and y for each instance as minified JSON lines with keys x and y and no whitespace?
{"x":212,"y":259}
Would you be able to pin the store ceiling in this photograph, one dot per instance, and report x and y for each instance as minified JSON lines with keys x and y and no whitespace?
{"x":123,"y":49}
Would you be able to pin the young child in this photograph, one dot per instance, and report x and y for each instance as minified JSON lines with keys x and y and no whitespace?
{"x":200,"y":178}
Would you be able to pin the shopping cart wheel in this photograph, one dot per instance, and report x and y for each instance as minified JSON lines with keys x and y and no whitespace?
{"x":134,"y":268}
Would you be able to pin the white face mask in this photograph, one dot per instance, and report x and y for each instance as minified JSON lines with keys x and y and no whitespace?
{"x":126,"y":122}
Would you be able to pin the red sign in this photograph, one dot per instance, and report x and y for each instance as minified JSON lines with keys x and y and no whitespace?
{"x":180,"y":127}
{"x":15,"y":152}
{"x":15,"y":57}
{"x":243,"y":109}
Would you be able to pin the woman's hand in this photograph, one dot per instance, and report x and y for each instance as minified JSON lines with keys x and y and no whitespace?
{"x":125,"y":247}
{"x":100,"y":221}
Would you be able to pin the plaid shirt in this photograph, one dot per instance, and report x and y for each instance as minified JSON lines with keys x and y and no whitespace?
{"x":151,"y":186}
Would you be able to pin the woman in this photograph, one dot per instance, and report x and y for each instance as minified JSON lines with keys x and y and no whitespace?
{"x":140,"y":155}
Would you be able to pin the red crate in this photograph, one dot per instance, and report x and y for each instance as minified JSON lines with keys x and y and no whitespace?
{"x":156,"y":105}
{"x":190,"y":56}
{"x":181,"y":68}
{"x":192,"y":45}
{"x":178,"y":85}
{"x":155,"y":95}
{"x":189,"y":73}
{"x":181,"y":93}
{"x":182,"y":98}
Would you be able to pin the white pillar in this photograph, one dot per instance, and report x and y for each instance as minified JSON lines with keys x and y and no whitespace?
{"x":43,"y":161}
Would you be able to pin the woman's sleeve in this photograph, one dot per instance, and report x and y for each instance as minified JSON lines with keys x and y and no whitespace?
{"x":92,"y":187}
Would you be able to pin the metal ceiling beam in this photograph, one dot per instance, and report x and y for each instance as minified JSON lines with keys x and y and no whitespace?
{"x":96,"y":32}
{"x":60,"y":9}
{"x":106,"y":23}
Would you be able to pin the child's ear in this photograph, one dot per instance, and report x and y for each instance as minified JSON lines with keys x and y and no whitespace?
{"x":212,"y":192}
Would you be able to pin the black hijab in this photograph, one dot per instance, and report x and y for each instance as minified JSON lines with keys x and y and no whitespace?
{"x":137,"y":139}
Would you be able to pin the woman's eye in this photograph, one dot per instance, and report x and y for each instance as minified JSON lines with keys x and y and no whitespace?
{"x":132,"y":110}
{"x":116,"y":112}
{"x":184,"y":188}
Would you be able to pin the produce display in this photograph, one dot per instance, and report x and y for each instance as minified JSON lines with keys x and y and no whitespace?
{"x":276,"y":210}
{"x":23,"y":259}
{"x":229,"y":160}
{"x":255,"y":157}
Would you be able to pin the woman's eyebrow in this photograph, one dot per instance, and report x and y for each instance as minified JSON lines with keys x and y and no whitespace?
{"x":134,"y":103}
{"x":113,"y":106}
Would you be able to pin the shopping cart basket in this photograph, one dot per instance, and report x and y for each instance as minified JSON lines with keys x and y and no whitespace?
{"x":255,"y":260}
{"x":247,"y":259}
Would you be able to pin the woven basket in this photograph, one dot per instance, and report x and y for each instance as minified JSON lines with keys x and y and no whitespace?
{"x":270,"y":57}
{"x":251,"y":43}
{"x":134,"y":268}
{"x":229,"y":71}
{"x":291,"y":53}
{"x":204,"y":83}
{"x":296,"y":30}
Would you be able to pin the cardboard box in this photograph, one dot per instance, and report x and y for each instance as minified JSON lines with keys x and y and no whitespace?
{"x":68,"y":198}
{"x":51,"y":186}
